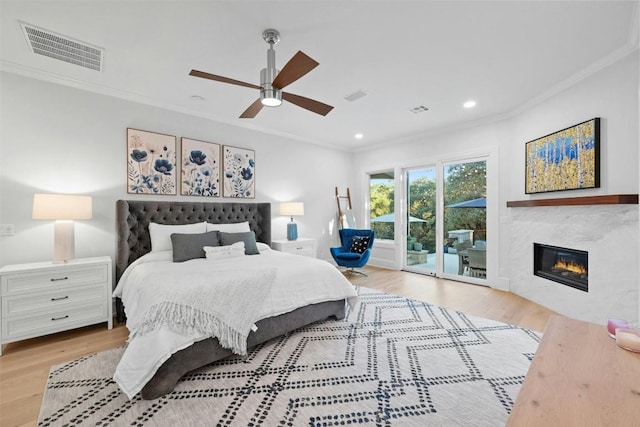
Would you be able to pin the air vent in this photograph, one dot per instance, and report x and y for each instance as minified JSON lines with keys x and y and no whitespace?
{"x":419,"y":109}
{"x":355,"y":96}
{"x":62,"y":48}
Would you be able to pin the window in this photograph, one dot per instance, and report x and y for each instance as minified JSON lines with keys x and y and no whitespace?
{"x":381,"y":196}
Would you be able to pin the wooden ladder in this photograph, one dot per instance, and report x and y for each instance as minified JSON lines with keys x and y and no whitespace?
{"x":343,"y":212}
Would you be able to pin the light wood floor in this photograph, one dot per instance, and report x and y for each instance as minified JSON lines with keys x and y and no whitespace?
{"x":24,"y":366}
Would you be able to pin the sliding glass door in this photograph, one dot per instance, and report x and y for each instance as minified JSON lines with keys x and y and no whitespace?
{"x":420,"y":255}
{"x":464,"y":219}
{"x":447,"y":239}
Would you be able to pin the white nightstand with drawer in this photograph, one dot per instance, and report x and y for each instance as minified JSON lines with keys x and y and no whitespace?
{"x":45,"y":297}
{"x":302,"y":246}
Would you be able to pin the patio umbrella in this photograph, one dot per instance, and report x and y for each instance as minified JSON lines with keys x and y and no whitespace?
{"x":474,"y":203}
{"x":392,"y":218}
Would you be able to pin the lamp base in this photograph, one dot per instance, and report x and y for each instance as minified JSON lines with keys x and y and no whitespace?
{"x":63,"y":241}
{"x":292,"y":231}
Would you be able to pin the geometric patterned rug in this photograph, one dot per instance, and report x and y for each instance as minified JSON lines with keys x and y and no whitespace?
{"x":391,"y":361}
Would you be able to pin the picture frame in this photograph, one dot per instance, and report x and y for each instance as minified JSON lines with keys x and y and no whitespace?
{"x":568,"y":159}
{"x":200,"y":175}
{"x":238,"y":172}
{"x":151,"y":163}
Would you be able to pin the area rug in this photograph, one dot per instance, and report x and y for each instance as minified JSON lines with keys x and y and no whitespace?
{"x":391,"y":361}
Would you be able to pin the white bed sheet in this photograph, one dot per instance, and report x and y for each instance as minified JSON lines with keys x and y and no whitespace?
{"x":299,"y":281}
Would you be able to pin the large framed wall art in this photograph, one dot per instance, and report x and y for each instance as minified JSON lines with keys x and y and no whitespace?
{"x":239,"y":176}
{"x":568,"y":159}
{"x":200,"y":168}
{"x":151,"y":162}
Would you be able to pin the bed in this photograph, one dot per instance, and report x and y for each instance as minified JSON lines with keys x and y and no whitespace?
{"x":154,"y":362}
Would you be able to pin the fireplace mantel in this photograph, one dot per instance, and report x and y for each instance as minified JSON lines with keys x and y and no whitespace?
{"x":613,"y":199}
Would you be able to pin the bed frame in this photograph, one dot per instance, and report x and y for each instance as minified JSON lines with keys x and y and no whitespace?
{"x":132,"y":228}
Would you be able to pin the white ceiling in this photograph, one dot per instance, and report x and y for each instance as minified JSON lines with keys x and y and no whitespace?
{"x":506,"y":55}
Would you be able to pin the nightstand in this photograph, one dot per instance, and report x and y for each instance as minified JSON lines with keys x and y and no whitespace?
{"x":45,"y":297}
{"x":302,"y":246}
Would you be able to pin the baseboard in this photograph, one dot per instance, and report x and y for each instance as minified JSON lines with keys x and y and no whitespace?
{"x":502,"y":284}
{"x":383,"y":263}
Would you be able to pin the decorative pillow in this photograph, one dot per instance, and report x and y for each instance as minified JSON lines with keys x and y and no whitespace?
{"x":190,"y":246}
{"x":262,"y":246}
{"x":249,"y":239}
{"x":161,"y":233}
{"x":220,"y":252}
{"x":236,"y":227}
{"x":359,"y":244}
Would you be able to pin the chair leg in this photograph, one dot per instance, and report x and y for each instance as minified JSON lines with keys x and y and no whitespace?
{"x":351,"y":271}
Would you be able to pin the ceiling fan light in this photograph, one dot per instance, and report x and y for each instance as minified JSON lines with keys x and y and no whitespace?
{"x":270,"y":97}
{"x":271,"y":102}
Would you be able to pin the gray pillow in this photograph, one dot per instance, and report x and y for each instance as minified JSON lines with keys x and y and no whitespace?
{"x":249,"y":239}
{"x":189,"y":246}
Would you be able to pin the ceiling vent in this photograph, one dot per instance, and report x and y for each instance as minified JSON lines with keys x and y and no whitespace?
{"x":355,"y":96}
{"x":62,"y":48}
{"x":419,"y":109}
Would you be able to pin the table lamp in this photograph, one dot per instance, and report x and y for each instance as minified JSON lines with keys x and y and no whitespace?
{"x":63,"y":209}
{"x":291,"y":209}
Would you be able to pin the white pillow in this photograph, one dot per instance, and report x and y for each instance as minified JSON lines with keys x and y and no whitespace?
{"x":262,"y":246}
{"x":237,"y":227}
{"x":220,"y":252}
{"x":161,"y":233}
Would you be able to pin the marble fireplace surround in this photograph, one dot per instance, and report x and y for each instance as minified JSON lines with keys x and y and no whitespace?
{"x":607,"y":230}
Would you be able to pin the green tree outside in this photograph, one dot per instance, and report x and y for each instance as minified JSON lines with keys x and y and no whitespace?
{"x":466,"y":181}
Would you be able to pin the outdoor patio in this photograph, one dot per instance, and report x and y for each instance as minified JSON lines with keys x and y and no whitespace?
{"x":450,"y":264}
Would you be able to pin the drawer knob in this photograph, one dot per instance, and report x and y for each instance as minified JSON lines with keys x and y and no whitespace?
{"x":58,"y":279}
{"x":60,"y":298}
{"x":60,"y":318}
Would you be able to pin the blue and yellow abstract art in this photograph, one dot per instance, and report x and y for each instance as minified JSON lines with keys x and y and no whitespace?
{"x":565,"y":160}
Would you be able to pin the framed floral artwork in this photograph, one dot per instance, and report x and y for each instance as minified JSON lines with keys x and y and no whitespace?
{"x":151,"y":162}
{"x":200,"y":168}
{"x":239,"y":168}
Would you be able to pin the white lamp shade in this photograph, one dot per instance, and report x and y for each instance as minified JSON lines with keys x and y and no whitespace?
{"x":61,"y":207}
{"x":292,"y":208}
{"x":64,"y":208}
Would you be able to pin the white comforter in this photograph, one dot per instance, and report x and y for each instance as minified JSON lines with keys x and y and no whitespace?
{"x":298,"y":281}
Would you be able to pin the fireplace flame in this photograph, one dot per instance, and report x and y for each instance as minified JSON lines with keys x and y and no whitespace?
{"x":571,"y":266}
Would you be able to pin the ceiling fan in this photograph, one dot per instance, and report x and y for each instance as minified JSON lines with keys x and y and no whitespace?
{"x":272,"y":82}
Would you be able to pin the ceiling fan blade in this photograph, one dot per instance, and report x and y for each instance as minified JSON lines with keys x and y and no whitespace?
{"x":253,"y":110}
{"x":307,"y":103}
{"x":204,"y":75}
{"x":297,"y":67}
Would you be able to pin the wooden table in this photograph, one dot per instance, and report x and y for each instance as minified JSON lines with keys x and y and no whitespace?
{"x":579,"y":377}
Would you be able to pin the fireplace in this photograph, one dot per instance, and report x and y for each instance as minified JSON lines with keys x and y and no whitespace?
{"x":562,"y":265}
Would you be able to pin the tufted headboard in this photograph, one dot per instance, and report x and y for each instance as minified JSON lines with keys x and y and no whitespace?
{"x":133,"y":218}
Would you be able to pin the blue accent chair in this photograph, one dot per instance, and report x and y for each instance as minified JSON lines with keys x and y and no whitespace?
{"x":345,"y":257}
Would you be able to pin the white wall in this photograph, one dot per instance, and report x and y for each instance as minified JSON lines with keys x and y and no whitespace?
{"x":611,"y":94}
{"x":60,"y":139}
{"x":606,"y":232}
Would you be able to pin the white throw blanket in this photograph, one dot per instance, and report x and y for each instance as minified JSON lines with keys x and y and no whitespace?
{"x":214,"y":306}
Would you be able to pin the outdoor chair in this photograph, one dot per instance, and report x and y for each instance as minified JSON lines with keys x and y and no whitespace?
{"x":463,"y":258}
{"x":477,"y":262}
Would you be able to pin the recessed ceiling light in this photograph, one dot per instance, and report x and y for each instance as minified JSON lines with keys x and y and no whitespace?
{"x":358,"y":136}
{"x":469,"y":104}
